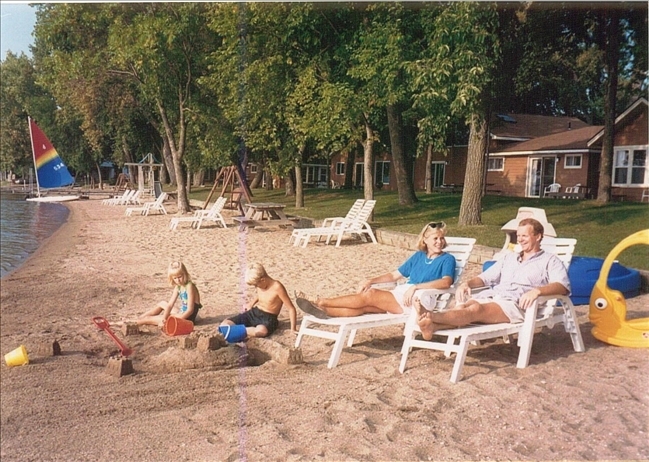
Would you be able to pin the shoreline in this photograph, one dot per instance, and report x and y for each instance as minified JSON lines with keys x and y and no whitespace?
{"x":101,"y":263}
{"x":43,"y":242}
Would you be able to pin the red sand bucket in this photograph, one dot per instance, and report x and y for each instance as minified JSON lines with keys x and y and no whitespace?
{"x":177,"y":326}
{"x":233,"y":334}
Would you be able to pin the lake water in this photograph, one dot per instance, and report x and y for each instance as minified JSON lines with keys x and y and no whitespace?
{"x":24,"y":226}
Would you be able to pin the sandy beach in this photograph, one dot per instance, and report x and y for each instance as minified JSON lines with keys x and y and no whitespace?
{"x":190,"y":405}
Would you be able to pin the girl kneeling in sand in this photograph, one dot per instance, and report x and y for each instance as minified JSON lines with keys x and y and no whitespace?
{"x":428,"y":268}
{"x":184,"y":288}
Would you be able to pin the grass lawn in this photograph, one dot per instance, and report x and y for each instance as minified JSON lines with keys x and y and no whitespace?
{"x":597,"y":228}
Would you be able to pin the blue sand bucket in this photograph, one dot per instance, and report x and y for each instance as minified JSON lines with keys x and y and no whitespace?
{"x":233,"y":334}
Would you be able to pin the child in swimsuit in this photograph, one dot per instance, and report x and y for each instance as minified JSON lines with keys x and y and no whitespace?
{"x":260,"y":318}
{"x":184,"y":289}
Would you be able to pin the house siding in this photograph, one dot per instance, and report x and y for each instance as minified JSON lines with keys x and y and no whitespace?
{"x":634,"y":133}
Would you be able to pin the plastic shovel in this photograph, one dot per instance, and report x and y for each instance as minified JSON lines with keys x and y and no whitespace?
{"x":103,"y":325}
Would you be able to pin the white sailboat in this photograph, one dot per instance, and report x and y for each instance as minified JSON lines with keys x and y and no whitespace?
{"x":51,"y":172}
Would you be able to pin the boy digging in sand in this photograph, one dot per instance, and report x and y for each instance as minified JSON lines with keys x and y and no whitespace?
{"x":260,"y":318}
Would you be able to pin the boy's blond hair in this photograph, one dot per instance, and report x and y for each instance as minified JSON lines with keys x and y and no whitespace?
{"x":255,"y":273}
{"x":177,"y":268}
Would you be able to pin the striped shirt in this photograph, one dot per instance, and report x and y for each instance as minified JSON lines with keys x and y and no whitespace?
{"x":511,"y":277}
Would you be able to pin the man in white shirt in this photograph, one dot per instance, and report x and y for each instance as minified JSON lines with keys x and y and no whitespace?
{"x":516,"y":282}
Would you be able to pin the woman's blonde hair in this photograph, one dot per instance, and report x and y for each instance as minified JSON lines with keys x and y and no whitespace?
{"x":177,"y":268}
{"x":255,"y":273}
{"x":435,"y":226}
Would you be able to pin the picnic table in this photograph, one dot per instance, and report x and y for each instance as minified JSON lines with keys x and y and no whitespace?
{"x":264,"y":214}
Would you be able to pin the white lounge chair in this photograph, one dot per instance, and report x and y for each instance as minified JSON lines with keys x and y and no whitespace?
{"x":117,"y":199}
{"x":211,"y":214}
{"x":134,"y":199}
{"x":331,"y":221}
{"x":357,"y":225}
{"x":461,"y":249}
{"x":547,"y":311}
{"x":126,"y":200}
{"x":149,"y":206}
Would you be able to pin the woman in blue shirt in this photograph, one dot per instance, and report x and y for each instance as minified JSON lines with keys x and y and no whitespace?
{"x":428,"y":268}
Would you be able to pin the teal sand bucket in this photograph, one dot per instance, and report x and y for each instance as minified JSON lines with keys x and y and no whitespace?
{"x":233,"y":334}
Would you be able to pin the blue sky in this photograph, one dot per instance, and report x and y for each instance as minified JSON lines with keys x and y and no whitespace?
{"x":18,"y":21}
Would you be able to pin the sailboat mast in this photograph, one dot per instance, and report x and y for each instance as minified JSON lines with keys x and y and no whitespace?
{"x":31,"y":136}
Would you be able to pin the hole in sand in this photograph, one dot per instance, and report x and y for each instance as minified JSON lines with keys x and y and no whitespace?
{"x":176,"y":359}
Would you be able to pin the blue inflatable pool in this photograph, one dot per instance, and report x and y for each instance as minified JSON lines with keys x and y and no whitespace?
{"x":584,"y":271}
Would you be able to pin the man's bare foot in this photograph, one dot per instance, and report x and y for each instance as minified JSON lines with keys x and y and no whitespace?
{"x":424,"y":321}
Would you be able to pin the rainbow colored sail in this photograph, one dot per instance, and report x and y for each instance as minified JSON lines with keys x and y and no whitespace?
{"x":51,"y":172}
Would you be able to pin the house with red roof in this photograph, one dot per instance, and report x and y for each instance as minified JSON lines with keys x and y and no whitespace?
{"x":526,"y":154}
{"x":571,"y":159}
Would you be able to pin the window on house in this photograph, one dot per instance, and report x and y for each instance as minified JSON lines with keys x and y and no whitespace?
{"x":496,"y":164}
{"x":340,"y":168}
{"x":572,"y":161}
{"x":382,"y":172}
{"x":253,"y":168}
{"x":309,"y":175}
{"x":630,"y":166}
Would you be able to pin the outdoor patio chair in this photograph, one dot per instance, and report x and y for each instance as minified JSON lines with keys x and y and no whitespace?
{"x":553,"y":188}
{"x":344,"y":327}
{"x":546,"y":312}
{"x":211,"y":214}
{"x":118,"y":199}
{"x":357,"y":225}
{"x":331,"y":221}
{"x":573,"y":189}
{"x":149,"y":206}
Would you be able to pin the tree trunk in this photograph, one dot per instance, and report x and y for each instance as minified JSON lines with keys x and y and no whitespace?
{"x":256,"y":181}
{"x":269,"y":179}
{"x":128,"y":156}
{"x":610,"y":99}
{"x":101,"y":183}
{"x":349,"y":167}
{"x":471,"y":205}
{"x":429,"y":174}
{"x":199,"y":178}
{"x":289,"y":186}
{"x":168,"y":160}
{"x":405,"y":187}
{"x":177,"y":156}
{"x":368,"y":160}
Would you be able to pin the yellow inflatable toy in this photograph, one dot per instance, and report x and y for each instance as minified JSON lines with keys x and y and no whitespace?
{"x":608,"y":307}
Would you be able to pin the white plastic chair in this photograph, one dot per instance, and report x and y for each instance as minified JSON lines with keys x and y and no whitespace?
{"x":573,"y":189}
{"x":211,"y":214}
{"x":553,"y":188}
{"x":149,"y":206}
{"x":116,"y":199}
{"x":546,"y":311}
{"x":645,"y":195}
{"x":459,"y":247}
{"x":357,"y":225}
{"x":330,"y":221}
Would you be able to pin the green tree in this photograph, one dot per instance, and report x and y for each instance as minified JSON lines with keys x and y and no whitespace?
{"x":17,"y":89}
{"x":383,"y":49}
{"x":162,"y":48}
{"x":454,"y":79}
